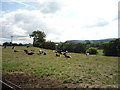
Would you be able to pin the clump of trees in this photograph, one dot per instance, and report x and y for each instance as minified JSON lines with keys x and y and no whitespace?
{"x":71,"y":46}
{"x":40,"y":41}
{"x":112,"y":48}
{"x":12,"y":44}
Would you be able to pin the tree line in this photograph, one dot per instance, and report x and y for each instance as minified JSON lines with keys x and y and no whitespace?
{"x":111,"y":48}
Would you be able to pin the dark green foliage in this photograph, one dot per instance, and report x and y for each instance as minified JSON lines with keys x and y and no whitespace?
{"x":12,"y":44}
{"x":48,"y":45}
{"x":5,"y":44}
{"x":112,"y":48}
{"x":80,"y":48}
{"x":38,"y":37}
{"x":87,"y":41}
{"x":60,"y":46}
{"x":36,"y":44}
{"x":71,"y":46}
{"x":92,"y":50}
{"x":68,"y":46}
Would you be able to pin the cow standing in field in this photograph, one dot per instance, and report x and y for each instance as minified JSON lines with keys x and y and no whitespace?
{"x":13,"y":46}
{"x":5,"y":46}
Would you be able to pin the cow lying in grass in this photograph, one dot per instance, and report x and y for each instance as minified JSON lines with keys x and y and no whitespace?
{"x":30,"y":53}
{"x":58,"y":55}
{"x":16,"y":51}
{"x":42,"y":52}
{"x":87,"y":54}
{"x":67,"y":55}
{"x":26,"y":51}
{"x":59,"y":51}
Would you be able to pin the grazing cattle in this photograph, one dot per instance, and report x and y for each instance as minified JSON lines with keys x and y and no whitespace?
{"x":5,"y":46}
{"x":41,"y":51}
{"x":30,"y":53}
{"x":60,"y":51}
{"x":66,"y":55}
{"x":16,"y":51}
{"x":54,"y":51}
{"x":57,"y":55}
{"x":87,"y":54}
{"x":13,"y":47}
{"x":28,"y":46}
{"x":26,"y":51}
{"x":44,"y":53}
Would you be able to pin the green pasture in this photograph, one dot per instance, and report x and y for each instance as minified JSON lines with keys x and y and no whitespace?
{"x":79,"y":71}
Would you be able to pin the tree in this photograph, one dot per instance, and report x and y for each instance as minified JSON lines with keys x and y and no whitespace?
{"x":5,"y":44}
{"x":112,"y":48}
{"x":38,"y":37}
{"x":72,"y":46}
{"x":80,"y":48}
{"x":68,"y":46}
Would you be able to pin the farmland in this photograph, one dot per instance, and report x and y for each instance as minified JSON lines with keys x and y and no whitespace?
{"x":80,"y":71}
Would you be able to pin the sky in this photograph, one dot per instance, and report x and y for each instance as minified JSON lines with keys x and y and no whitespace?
{"x":61,"y":20}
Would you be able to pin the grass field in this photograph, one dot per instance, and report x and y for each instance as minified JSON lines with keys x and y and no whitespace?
{"x":80,"y":71}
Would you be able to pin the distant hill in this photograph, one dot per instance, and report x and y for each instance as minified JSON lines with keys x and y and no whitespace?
{"x":101,"y":40}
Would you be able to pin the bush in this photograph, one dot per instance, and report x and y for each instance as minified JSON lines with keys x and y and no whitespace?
{"x":71,"y":46}
{"x":92,"y":50}
{"x":112,"y":48}
{"x":36,"y":44}
{"x":48,"y":45}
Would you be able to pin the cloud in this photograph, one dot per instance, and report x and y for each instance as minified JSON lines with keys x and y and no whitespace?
{"x":98,"y":23}
{"x":61,"y":20}
{"x":50,"y":7}
{"x":24,"y":22}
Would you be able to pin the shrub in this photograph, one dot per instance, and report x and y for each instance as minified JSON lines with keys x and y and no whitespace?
{"x":48,"y":45}
{"x":36,"y":44}
{"x":92,"y":50}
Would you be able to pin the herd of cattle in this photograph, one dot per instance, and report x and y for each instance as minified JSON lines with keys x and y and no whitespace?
{"x":58,"y":53}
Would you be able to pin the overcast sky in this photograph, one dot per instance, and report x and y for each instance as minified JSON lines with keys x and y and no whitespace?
{"x":61,"y":20}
